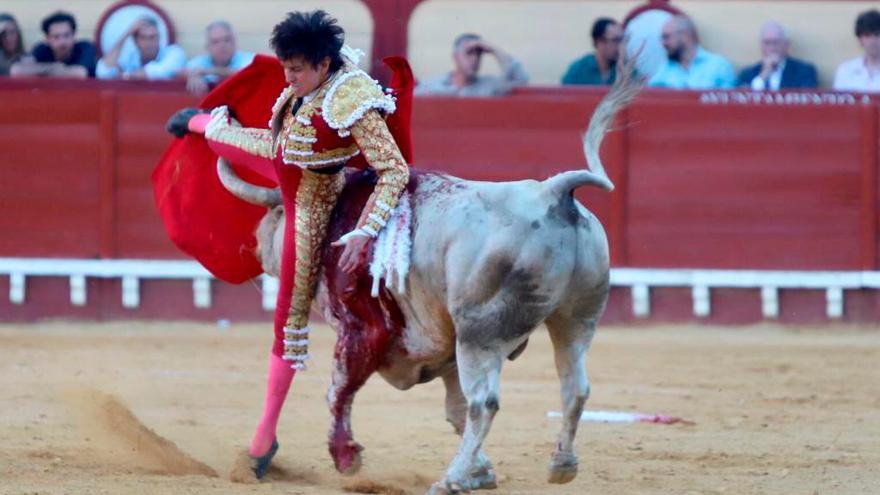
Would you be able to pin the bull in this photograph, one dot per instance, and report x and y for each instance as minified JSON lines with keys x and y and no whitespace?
{"x":489,"y":263}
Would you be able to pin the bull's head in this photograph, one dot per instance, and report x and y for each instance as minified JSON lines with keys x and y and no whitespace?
{"x":270,"y":232}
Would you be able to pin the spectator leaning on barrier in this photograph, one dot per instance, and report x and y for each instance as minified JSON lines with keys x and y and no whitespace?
{"x":598,"y":68}
{"x":777,"y":70}
{"x":465,"y":80}
{"x":221,"y":61}
{"x":689,"y":65}
{"x":11,"y":44}
{"x":149,"y":60}
{"x":60,"y":55}
{"x":863,"y":73}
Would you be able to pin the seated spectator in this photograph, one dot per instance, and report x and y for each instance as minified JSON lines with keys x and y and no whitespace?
{"x":11,"y":44}
{"x":863,"y":73}
{"x":60,"y":55}
{"x":689,"y":65}
{"x":599,"y":67}
{"x":222,"y":60}
{"x":464,"y":79}
{"x":777,"y":70}
{"x":149,"y":60}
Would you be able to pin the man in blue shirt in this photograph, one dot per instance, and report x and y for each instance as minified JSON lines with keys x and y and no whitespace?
{"x":60,"y":55}
{"x":690,"y":66}
{"x":598,"y":68}
{"x":222,"y":60}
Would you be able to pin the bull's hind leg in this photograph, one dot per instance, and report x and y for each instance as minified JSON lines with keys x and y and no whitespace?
{"x":479,"y":371}
{"x":483,"y":476}
{"x":571,"y":339}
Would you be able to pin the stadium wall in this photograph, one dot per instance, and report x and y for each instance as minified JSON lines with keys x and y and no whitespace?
{"x":730,"y":181}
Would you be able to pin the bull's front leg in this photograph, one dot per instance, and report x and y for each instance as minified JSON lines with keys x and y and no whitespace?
{"x":358,"y":354}
{"x":479,"y":373}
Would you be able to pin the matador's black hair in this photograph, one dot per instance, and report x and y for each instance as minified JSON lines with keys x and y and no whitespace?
{"x":311,"y":35}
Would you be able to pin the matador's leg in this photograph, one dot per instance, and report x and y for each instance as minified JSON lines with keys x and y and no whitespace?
{"x":280,"y":374}
{"x":309,"y":206}
{"x":315,"y":199}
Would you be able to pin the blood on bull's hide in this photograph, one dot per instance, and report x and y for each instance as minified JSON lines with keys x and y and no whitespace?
{"x":489,"y":263}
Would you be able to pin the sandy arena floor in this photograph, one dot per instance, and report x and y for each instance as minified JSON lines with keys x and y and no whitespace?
{"x":156,"y":408}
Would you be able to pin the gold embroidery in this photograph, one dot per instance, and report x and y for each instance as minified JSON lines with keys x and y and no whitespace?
{"x":351,"y":96}
{"x":248,"y":139}
{"x":382,"y":153}
{"x":315,"y":199}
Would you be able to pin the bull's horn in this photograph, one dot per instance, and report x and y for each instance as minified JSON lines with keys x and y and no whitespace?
{"x":257,"y":195}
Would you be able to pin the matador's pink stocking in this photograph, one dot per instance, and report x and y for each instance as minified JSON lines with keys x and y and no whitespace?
{"x":280,"y":376}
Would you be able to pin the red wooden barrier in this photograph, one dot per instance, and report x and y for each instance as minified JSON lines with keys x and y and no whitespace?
{"x":699,"y":184}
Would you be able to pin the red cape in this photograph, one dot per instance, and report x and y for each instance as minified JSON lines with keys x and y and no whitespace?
{"x":201,"y":217}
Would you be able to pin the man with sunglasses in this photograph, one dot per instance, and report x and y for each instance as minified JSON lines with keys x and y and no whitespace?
{"x":598,"y":68}
{"x":465,"y":79}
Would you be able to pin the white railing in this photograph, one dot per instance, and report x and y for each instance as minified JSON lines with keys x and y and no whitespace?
{"x":639,"y":280}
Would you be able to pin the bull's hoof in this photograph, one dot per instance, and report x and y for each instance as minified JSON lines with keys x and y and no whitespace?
{"x":347,"y":457}
{"x":563,"y":468}
{"x":259,"y":465}
{"x":482,"y":479}
{"x":446,"y":488}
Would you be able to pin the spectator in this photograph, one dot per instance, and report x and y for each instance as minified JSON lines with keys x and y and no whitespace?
{"x":150,"y":60}
{"x":221,"y":61}
{"x":464,"y":80}
{"x":60,"y":55}
{"x":11,"y":44}
{"x":689,"y":65}
{"x":863,"y":73}
{"x":600,"y":67}
{"x":777,"y":70}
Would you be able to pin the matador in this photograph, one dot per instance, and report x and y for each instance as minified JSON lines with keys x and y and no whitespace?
{"x":330,"y":115}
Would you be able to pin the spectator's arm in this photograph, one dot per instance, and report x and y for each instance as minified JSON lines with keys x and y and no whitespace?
{"x":168,"y":66}
{"x":512,"y":70}
{"x":105,"y":71}
{"x":108,"y":66}
{"x":47,"y":69}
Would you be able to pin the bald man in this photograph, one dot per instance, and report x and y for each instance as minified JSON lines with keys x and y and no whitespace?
{"x":688,"y":65}
{"x":777,"y":70}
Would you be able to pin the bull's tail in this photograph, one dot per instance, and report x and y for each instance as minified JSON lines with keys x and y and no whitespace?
{"x":624,"y":90}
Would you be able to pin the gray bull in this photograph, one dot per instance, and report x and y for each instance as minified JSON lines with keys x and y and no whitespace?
{"x":490,"y":262}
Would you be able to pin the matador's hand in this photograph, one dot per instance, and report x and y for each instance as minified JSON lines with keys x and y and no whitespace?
{"x":354,"y":256}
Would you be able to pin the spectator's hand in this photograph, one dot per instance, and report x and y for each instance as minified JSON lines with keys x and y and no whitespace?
{"x":486,"y":47}
{"x":137,"y":24}
{"x":769,"y":64}
{"x":196,"y":84}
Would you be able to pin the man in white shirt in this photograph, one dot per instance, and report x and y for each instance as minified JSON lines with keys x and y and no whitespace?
{"x":222,"y":60}
{"x":150,"y":60}
{"x":862,"y":74}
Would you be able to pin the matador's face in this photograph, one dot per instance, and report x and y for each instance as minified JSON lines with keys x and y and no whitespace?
{"x":304,"y":77}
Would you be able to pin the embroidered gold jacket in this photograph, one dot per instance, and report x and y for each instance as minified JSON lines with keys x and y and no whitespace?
{"x":338,"y":122}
